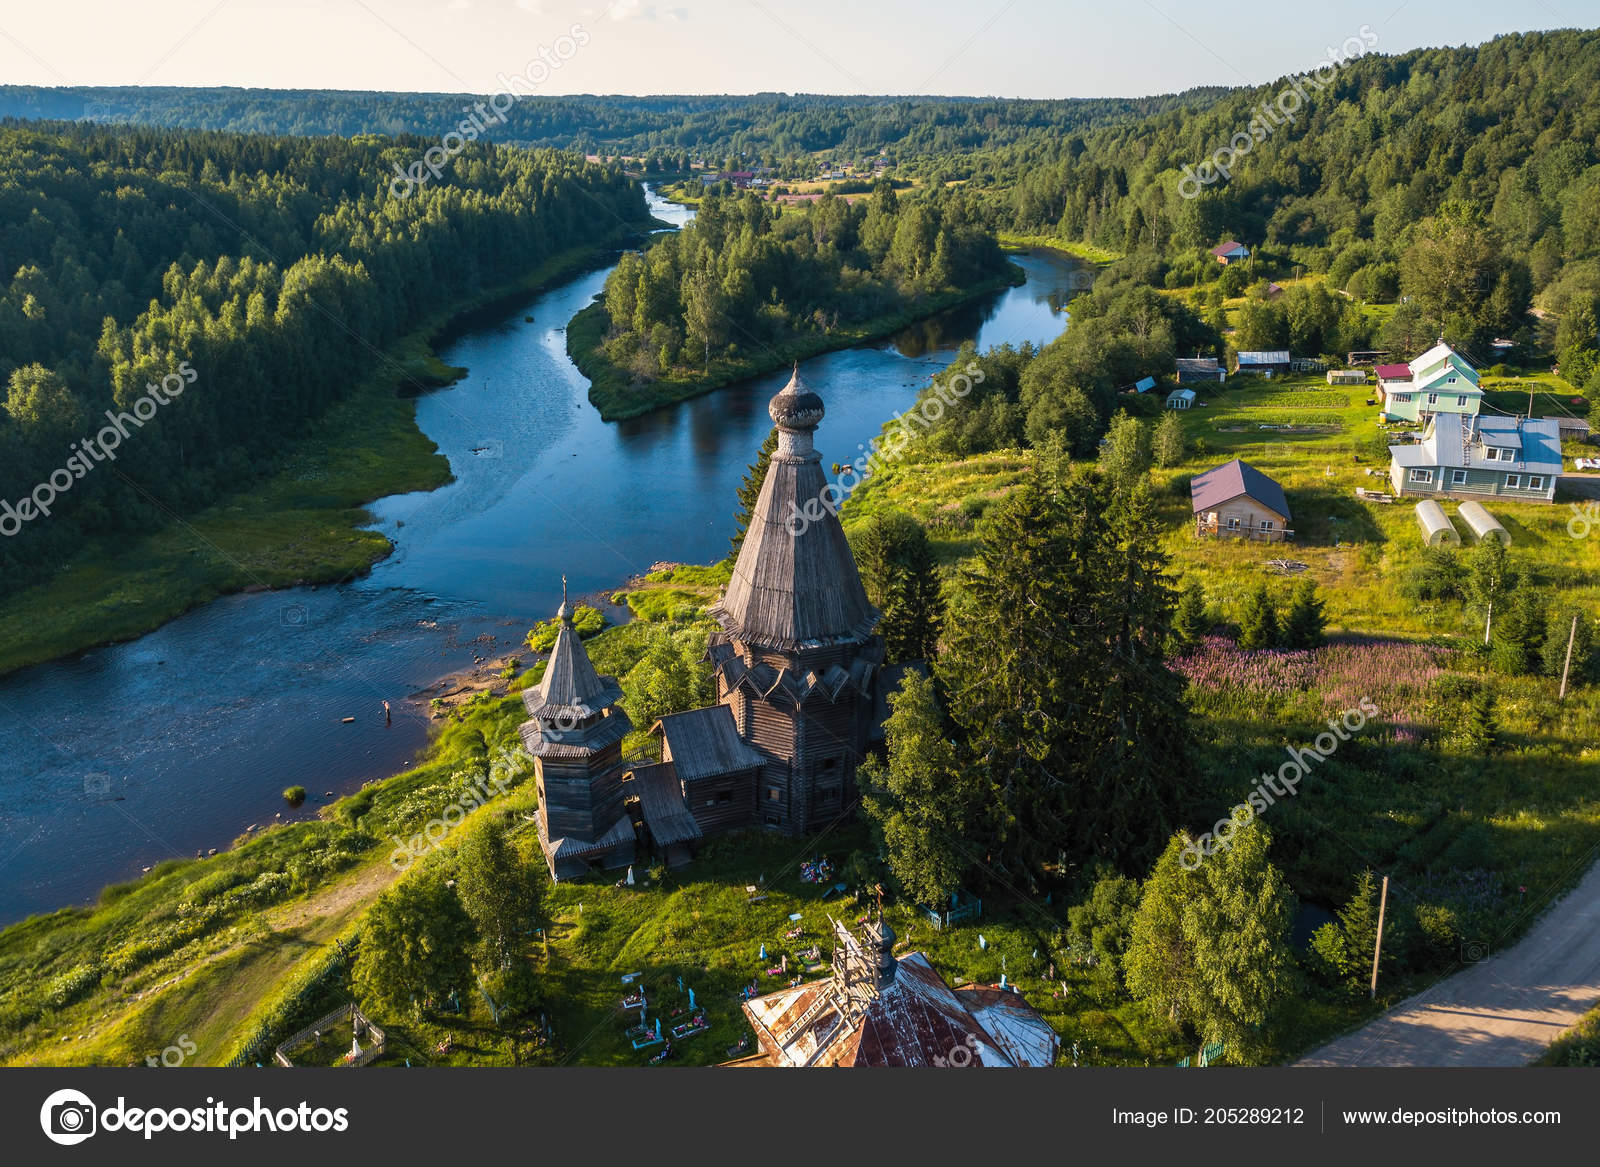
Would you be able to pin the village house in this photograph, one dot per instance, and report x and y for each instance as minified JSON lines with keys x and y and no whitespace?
{"x":1441,"y":380}
{"x":881,"y":1010}
{"x":1230,"y":252}
{"x":1180,"y":399}
{"x":1482,"y":456}
{"x":1236,"y":500}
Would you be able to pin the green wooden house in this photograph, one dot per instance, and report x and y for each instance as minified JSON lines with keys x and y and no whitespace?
{"x":1441,"y":380}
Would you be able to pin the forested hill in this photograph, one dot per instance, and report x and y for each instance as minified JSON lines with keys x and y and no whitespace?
{"x":274,"y":270}
{"x":768,"y":126}
{"x":1508,"y":131}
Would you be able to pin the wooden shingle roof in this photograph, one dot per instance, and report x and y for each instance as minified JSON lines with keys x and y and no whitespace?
{"x":795,"y":583}
{"x":705,"y":743}
{"x":570,"y":685}
{"x":661,"y":802}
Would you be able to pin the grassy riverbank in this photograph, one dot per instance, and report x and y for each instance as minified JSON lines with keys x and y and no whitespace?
{"x":1088,"y":252}
{"x":303,"y":523}
{"x":616,"y":393}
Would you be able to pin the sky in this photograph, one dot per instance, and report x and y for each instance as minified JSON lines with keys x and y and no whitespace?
{"x":1004,"y":48}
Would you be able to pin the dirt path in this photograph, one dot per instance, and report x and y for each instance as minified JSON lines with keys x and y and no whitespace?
{"x":364,"y":885}
{"x":1502,"y":1012}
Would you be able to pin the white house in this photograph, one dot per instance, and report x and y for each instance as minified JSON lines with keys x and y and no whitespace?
{"x":1180,"y":399}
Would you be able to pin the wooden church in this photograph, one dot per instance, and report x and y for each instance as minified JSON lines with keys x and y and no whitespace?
{"x":797,"y":665}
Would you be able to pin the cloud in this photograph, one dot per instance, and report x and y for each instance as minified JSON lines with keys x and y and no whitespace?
{"x":638,"y":10}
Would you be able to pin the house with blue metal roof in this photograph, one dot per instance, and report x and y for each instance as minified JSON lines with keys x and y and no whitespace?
{"x":1480,"y":457}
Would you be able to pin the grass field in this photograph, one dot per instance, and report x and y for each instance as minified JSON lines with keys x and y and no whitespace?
{"x":1488,"y":843}
{"x":1013,"y":241}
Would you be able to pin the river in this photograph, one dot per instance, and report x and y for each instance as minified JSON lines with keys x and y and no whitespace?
{"x":117,"y":758}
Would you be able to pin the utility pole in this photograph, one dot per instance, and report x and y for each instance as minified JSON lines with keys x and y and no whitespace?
{"x":1377,"y":948}
{"x":1572,"y":634}
{"x":1488,"y":618}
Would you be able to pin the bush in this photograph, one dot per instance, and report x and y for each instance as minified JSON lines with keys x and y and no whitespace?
{"x":1328,"y":956}
{"x":586,"y":620}
{"x":294,"y":795}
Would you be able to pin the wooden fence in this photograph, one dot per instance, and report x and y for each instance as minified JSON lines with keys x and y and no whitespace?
{"x":377,"y":1043}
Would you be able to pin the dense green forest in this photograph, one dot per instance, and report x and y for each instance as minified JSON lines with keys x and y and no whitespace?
{"x":1465,"y":179}
{"x":775,"y":128}
{"x":214,"y":292}
{"x":744,"y":275}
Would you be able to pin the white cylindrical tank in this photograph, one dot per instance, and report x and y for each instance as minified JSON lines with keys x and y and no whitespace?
{"x":1484,"y":524}
{"x":1437,"y":529}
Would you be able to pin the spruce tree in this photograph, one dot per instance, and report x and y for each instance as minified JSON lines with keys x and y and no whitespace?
{"x":1190,"y":623}
{"x":1130,"y":749}
{"x":1490,"y":576}
{"x":1304,"y":622}
{"x":924,"y":802}
{"x":1557,"y":629}
{"x":1518,"y":635}
{"x":902,"y":581}
{"x":750,"y":490}
{"x":1258,"y":622}
{"x":1014,"y":670}
{"x":1480,"y":732}
{"x":1358,"y":920}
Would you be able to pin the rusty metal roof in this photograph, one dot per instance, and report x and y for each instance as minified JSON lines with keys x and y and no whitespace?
{"x":916,"y":1019}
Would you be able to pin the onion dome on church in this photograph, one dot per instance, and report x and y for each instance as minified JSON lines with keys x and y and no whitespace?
{"x":795,"y":407}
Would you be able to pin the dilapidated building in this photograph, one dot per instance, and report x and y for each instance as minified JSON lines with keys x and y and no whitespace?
{"x":881,"y":1010}
{"x":574,"y":733}
{"x":797,"y":660}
